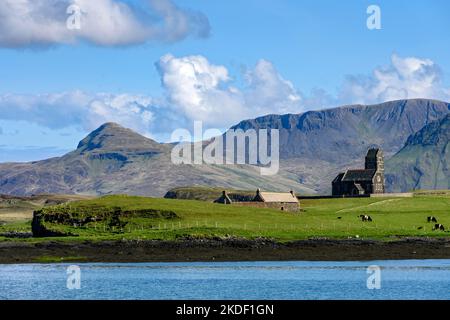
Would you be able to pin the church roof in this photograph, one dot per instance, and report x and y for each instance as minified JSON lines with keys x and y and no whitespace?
{"x":359,"y":175}
{"x":339,"y":177}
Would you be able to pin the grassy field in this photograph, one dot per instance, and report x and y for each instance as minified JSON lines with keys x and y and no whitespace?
{"x":127,"y":217}
{"x":18,"y":209}
{"x":16,"y":212}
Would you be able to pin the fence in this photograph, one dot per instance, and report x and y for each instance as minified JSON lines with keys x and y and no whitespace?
{"x":335,"y":227}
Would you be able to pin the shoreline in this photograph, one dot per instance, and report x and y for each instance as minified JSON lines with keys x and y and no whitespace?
{"x":220,"y":250}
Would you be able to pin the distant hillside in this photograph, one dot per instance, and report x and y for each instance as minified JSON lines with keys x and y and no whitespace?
{"x":340,"y":134}
{"x":205,"y":193}
{"x":424,"y":161}
{"x":113,"y":160}
{"x":314,"y":146}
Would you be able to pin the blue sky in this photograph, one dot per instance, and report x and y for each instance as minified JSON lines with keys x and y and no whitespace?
{"x":258,"y":57}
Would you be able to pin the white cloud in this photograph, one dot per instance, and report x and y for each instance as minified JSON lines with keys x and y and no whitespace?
{"x":269,"y":92}
{"x":56,"y":111}
{"x":404,"y":78}
{"x":204,"y":91}
{"x":197,"y":89}
{"x":42,"y":23}
{"x":178,"y":23}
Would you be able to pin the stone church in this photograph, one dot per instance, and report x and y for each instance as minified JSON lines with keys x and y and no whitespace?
{"x":365,"y":181}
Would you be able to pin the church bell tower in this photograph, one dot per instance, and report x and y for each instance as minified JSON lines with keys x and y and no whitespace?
{"x":375,"y":160}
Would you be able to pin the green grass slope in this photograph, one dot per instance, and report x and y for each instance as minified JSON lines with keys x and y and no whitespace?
{"x":127,"y":217}
{"x":203,"y":193}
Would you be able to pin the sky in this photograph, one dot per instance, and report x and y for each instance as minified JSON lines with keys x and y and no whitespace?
{"x":68,"y":66}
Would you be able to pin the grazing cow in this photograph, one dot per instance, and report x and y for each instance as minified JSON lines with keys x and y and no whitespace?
{"x":438,"y":226}
{"x":419,"y":228}
{"x":365,"y":218}
{"x":339,"y":218}
{"x":432,"y":219}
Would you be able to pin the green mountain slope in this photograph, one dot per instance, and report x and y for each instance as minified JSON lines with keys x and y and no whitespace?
{"x":424,"y":161}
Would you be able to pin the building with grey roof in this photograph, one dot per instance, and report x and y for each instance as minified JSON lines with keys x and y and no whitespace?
{"x":360,"y":182}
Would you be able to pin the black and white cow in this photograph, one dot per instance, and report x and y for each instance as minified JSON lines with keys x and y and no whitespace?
{"x":432,"y":219}
{"x":365,"y":218}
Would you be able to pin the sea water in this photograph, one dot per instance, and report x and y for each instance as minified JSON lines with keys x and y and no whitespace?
{"x":395,"y":279}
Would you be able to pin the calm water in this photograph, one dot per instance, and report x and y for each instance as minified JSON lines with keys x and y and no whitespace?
{"x":411,"y":279}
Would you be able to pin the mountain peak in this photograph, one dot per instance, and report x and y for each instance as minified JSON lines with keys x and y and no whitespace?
{"x":112,"y":137}
{"x":110,"y":125}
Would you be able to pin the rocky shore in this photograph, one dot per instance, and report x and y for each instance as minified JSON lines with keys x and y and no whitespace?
{"x":224,"y":250}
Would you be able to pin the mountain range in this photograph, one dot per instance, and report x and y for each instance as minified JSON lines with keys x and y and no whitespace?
{"x":424,"y":161}
{"x":314,"y":147}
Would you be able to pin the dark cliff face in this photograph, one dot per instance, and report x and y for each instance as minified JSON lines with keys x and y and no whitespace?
{"x":433,"y":134}
{"x":424,"y":161}
{"x":346,"y":132}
